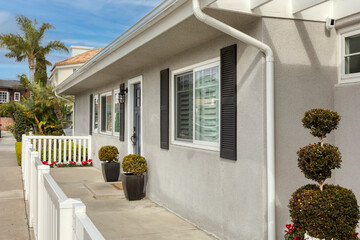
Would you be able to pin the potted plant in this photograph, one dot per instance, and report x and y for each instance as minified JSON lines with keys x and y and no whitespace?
{"x":110,"y":163}
{"x":133,"y":179}
{"x":322,"y":211}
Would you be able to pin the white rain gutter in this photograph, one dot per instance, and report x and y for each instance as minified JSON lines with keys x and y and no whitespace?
{"x":270,"y":121}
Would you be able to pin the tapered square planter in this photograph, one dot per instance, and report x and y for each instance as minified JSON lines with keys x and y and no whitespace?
{"x":133,"y":186}
{"x":110,"y":171}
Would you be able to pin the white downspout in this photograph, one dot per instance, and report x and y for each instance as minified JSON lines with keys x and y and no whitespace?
{"x":73,"y":107}
{"x":270,"y":121}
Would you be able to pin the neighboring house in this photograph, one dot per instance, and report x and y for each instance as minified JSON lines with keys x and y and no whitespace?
{"x":11,"y":90}
{"x":63,"y":69}
{"x":199,"y":105}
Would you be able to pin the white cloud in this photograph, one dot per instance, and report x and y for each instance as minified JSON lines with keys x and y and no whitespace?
{"x":7,"y":23}
{"x":84,"y":42}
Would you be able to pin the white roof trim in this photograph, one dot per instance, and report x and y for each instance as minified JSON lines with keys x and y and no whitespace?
{"x":132,"y":32}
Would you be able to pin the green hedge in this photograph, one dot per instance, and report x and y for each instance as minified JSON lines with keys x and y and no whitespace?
{"x":18,"y":149}
{"x":62,"y":152}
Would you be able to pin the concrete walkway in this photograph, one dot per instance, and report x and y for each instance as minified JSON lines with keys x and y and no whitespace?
{"x":13,"y":221}
{"x":119,"y":218}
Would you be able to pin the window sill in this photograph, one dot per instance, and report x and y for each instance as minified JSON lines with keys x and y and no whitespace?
{"x":106,"y":133}
{"x":196,"y":146}
{"x":349,"y":79}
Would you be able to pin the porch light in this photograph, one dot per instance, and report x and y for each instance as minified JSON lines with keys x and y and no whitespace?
{"x":122,"y":95}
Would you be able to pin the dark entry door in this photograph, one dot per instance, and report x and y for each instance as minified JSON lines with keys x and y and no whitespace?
{"x":136,"y":137}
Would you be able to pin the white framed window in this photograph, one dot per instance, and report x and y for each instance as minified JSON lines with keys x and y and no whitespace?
{"x":106,"y":122}
{"x":196,"y":105}
{"x":4,"y":97}
{"x":17,"y":96}
{"x":350,"y":56}
{"x":116,"y":118}
{"x":96,"y":109}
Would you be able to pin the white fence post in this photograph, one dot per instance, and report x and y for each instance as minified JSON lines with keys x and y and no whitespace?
{"x":33,"y":187}
{"x":23,"y":146}
{"x":65,"y":218}
{"x":41,"y":170}
{"x":27,"y":169}
{"x":89,"y":147}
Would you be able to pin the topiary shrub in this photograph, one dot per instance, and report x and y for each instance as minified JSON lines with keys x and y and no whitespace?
{"x":18,"y":150}
{"x":321,"y":121}
{"x":109,"y":154}
{"x":322,"y":211}
{"x":329,"y":214}
{"x":20,"y":125}
{"x":134,"y":164}
{"x":316,"y":161}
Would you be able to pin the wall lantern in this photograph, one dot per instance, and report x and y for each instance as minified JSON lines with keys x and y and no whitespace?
{"x":122,"y":95}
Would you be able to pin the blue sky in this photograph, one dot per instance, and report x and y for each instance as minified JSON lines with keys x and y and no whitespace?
{"x":93,"y":23}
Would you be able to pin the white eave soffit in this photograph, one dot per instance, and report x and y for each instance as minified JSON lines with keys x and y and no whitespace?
{"x":302,"y":5}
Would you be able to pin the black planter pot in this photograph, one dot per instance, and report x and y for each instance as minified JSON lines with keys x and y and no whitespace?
{"x":133,"y":186}
{"x":111,"y":171}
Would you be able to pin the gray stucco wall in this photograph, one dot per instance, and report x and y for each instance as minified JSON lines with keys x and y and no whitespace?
{"x":305,"y":73}
{"x":226,"y":198}
{"x":347,"y":136}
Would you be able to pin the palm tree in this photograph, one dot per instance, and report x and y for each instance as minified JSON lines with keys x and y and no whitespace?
{"x":28,"y":45}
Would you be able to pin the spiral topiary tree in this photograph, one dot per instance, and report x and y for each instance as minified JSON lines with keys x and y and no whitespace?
{"x":322,"y":211}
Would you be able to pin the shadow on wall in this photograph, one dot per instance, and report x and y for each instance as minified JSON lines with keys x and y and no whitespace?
{"x":305,"y":74}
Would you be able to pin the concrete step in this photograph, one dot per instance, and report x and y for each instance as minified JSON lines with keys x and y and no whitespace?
{"x":106,"y":190}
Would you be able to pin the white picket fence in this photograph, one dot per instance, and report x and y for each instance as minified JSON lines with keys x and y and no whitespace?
{"x":52,"y":215}
{"x":62,"y":148}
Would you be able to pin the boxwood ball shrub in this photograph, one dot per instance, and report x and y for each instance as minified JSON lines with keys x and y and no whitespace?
{"x":321,"y":121}
{"x":109,"y":154}
{"x":134,"y":164}
{"x":18,"y":149}
{"x":322,"y":211}
{"x":329,"y":214}
{"x":316,"y":161}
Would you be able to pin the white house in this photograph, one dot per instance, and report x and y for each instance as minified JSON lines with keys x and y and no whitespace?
{"x":63,"y":69}
{"x":213,"y":95}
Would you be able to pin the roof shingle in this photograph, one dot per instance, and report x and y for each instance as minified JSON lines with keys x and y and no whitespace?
{"x":80,"y":58}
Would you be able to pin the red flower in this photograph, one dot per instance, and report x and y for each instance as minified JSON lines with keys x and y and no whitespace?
{"x":45,"y":162}
{"x":89,"y":161}
{"x":297,"y":238}
{"x":356,"y":234}
{"x":84,"y":162}
{"x":290,"y":227}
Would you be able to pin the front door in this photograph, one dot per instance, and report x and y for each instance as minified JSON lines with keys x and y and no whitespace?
{"x":136,"y":137}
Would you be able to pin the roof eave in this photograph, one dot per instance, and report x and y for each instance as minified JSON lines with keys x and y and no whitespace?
{"x":151,"y":18}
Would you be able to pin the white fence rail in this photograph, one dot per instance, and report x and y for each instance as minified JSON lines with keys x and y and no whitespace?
{"x":62,"y":148}
{"x":52,"y":215}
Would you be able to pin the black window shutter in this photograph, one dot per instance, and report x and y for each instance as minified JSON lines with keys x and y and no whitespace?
{"x":164,"y":109}
{"x":122,"y":115}
{"x":103,"y":113}
{"x":228,"y":76}
{"x":91,"y":114}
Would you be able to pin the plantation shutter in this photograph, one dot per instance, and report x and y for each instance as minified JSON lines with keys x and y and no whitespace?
{"x":122,"y":116}
{"x":228,"y":128}
{"x":91,"y":114}
{"x":164,"y":109}
{"x":103,"y":113}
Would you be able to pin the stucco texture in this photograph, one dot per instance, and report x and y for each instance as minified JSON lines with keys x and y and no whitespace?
{"x":305,"y":73}
{"x":224,"y":197}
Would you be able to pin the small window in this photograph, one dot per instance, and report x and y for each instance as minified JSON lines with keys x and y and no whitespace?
{"x":96,"y":113}
{"x":116,"y":113}
{"x":17,"y":96}
{"x":106,"y":113}
{"x":197,"y":106}
{"x":74,"y":70}
{"x":4,"y":97}
{"x":350,"y":57}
